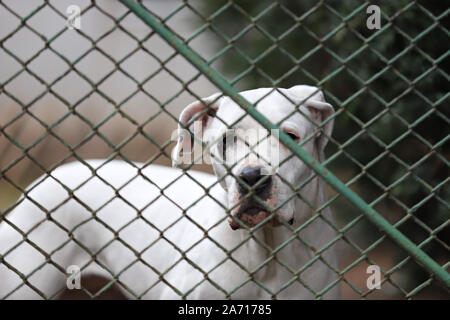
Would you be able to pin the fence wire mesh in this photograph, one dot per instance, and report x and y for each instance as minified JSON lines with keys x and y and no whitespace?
{"x":114,"y":89}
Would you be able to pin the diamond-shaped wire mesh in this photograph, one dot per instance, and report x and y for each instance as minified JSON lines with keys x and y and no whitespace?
{"x":114,"y":89}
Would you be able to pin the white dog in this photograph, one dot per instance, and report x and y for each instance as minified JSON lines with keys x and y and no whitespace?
{"x":160,"y":233}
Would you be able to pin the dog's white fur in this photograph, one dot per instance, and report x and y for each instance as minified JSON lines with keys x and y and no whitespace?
{"x":86,"y":219}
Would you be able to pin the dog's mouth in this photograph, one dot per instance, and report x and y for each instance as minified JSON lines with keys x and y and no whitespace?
{"x":248,"y":215}
{"x":251,"y":214}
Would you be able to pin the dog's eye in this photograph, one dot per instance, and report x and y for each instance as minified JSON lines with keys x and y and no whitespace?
{"x":293,"y":136}
{"x":228,"y":140}
{"x":192,"y":140}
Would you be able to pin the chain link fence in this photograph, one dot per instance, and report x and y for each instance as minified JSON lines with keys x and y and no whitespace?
{"x":114,"y":88}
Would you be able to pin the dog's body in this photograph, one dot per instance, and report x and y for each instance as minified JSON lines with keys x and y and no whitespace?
{"x":181,"y":232}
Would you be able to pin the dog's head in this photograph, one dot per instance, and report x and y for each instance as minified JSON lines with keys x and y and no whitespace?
{"x":255,"y":169}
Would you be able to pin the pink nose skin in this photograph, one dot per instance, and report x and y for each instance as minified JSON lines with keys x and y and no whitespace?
{"x":233,"y":225}
{"x":249,"y":220}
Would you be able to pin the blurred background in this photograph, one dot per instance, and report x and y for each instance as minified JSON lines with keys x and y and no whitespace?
{"x":115,"y":89}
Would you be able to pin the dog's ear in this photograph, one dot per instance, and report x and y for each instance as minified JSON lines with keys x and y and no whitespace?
{"x":194,"y":120}
{"x":319,"y":109}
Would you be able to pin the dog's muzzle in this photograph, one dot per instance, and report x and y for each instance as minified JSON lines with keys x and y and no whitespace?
{"x":250,"y":212}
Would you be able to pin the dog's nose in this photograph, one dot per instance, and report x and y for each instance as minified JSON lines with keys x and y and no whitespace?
{"x":252,"y":176}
